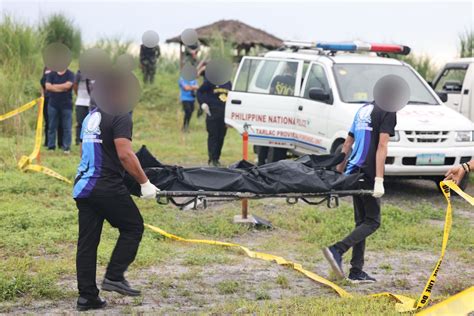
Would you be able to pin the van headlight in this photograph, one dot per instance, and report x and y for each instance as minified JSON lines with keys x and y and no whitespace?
{"x":396,"y":137}
{"x":464,"y":136}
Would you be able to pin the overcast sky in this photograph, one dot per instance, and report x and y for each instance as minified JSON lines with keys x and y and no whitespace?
{"x":428,"y":27}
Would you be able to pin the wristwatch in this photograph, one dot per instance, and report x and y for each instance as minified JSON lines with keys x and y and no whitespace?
{"x":466,"y":167}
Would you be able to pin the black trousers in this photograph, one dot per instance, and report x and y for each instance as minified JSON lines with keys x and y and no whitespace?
{"x":122,"y":213}
{"x":367,"y":221}
{"x":81,"y":113}
{"x":216,"y":130}
{"x":148,"y":72}
{"x":188,"y":108}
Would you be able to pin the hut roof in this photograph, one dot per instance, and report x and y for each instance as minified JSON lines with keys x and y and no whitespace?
{"x":241,"y":34}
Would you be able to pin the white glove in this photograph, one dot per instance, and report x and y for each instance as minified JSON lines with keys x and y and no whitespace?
{"x":148,"y":190}
{"x":378,"y":188}
{"x":206,"y":109}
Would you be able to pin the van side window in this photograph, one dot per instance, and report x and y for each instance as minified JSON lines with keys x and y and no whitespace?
{"x":451,"y":80}
{"x":267,"y":77}
{"x":316,"y":79}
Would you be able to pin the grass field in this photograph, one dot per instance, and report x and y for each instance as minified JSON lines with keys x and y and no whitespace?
{"x":38,"y":221}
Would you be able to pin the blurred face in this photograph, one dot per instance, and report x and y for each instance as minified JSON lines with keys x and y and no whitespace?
{"x":117,"y":92}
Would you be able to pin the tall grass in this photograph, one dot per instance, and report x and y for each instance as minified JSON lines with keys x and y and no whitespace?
{"x":59,"y":28}
{"x":466,"y":44}
{"x":114,"y":46}
{"x":20,"y":70}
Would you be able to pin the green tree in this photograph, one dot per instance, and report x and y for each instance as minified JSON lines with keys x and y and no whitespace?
{"x":58,"y":28}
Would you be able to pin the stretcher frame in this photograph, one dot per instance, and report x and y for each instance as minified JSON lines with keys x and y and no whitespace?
{"x":202,"y":197}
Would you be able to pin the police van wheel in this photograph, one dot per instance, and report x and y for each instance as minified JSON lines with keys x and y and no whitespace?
{"x":276,"y":154}
{"x":464,"y":182}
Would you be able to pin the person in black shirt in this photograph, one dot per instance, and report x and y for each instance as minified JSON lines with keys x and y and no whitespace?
{"x":212,"y":99}
{"x":59,"y":87}
{"x":100,"y":194}
{"x":369,"y":136}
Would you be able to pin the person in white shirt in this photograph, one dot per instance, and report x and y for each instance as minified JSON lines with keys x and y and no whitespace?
{"x":83,"y":101}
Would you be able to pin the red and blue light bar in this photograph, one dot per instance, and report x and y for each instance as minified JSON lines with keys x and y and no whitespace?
{"x":365,"y":47}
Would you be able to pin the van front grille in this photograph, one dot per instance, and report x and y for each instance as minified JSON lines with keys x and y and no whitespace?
{"x":427,"y":136}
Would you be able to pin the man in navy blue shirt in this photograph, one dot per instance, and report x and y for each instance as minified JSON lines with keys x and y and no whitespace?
{"x":59,"y":87}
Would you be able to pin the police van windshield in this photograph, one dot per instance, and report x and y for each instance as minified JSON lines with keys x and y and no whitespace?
{"x":356,"y":82}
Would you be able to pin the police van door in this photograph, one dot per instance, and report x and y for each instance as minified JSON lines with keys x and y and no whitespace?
{"x":263,"y":98}
{"x":312,"y":111}
{"x":451,"y":82}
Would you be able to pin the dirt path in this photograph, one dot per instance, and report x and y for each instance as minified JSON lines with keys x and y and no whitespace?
{"x":175,"y":287}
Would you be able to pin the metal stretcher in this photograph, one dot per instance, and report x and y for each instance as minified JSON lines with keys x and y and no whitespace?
{"x":202,"y":197}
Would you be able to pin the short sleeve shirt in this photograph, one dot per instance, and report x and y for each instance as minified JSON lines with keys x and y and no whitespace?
{"x":100,"y":172}
{"x":186,"y":95}
{"x":368,"y":123}
{"x":83,"y":98}
{"x":60,"y":99}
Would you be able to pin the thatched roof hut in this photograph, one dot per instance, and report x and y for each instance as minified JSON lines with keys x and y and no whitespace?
{"x":242,"y":35}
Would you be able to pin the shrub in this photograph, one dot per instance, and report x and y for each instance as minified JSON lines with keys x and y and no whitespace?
{"x":59,"y":28}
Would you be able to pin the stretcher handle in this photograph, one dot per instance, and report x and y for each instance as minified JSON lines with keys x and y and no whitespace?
{"x":250,"y":195}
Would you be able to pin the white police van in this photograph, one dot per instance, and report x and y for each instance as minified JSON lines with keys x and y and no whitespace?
{"x":324,"y":85}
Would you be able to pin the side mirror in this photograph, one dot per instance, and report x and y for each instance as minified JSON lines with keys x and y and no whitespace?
{"x":442,"y":95}
{"x":319,"y":94}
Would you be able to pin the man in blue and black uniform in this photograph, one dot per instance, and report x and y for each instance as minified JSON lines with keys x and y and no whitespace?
{"x":370,"y":134}
{"x":212,"y":99}
{"x":100,"y":194}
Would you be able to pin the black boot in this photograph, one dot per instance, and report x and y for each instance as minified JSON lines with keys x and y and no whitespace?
{"x":122,"y":287}
{"x":84,"y":304}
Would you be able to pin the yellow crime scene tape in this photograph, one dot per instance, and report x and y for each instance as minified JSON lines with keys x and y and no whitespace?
{"x":461,"y":303}
{"x":404,"y":303}
{"x":26,"y":162}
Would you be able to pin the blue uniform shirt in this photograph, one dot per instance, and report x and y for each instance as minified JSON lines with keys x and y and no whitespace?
{"x":186,"y":95}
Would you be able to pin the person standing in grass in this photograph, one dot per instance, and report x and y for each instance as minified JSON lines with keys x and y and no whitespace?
{"x":100,"y":194}
{"x":212,"y":99}
{"x":45,"y":95}
{"x":188,"y":95}
{"x":370,"y":133}
{"x":83,"y":101}
{"x":148,"y":59}
{"x":59,"y":87}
